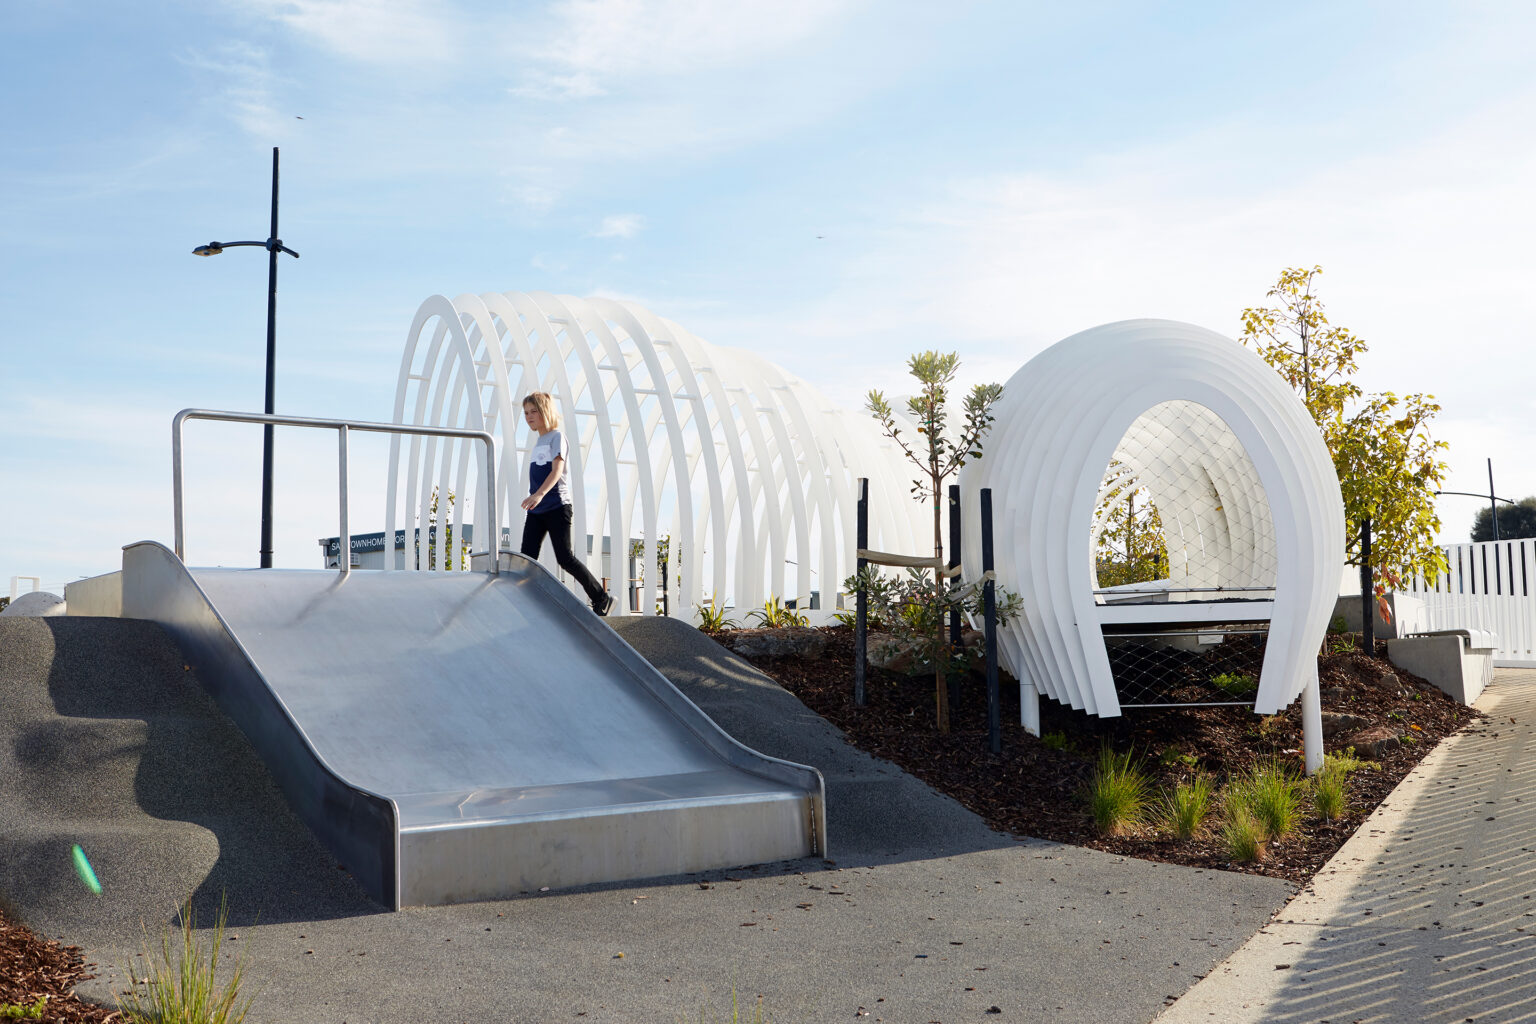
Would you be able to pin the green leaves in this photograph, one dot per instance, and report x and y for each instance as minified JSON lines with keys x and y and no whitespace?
{"x":1387,"y":464}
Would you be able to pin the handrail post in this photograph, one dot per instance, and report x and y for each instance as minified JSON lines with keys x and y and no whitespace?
{"x":178,"y":529}
{"x":493,"y":542}
{"x":861,"y":601}
{"x":344,"y":553}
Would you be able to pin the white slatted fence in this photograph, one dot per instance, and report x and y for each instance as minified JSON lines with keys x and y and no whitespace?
{"x":1491,"y":585}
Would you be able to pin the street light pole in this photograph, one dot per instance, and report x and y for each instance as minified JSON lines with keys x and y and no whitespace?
{"x":273,"y":245}
{"x":268,"y":429}
{"x":1493,"y":507}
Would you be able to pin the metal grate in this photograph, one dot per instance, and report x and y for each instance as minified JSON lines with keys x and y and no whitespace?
{"x":1209,"y":666}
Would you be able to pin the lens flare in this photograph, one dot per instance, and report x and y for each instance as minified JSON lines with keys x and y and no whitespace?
{"x":85,"y":871}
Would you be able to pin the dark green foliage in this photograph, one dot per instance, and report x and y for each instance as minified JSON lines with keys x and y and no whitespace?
{"x":1515,"y":521}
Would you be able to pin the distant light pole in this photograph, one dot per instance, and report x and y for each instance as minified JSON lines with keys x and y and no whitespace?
{"x":273,"y":245}
{"x":1493,"y":500}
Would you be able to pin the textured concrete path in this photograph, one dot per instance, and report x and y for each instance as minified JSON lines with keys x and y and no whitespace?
{"x":1427,"y":914}
{"x":926,"y":914}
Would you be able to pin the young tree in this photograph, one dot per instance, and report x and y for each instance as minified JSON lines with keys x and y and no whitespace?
{"x":1387,"y":463}
{"x":1131,"y":548}
{"x":936,"y":456}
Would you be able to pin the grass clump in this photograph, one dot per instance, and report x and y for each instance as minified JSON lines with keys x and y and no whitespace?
{"x":1271,"y":794}
{"x":1184,"y":809}
{"x":1054,"y":740}
{"x":1117,"y":793}
{"x":1330,"y":786}
{"x":180,"y":984}
{"x":738,"y":1013}
{"x":1242,"y":833}
{"x":1329,"y":794}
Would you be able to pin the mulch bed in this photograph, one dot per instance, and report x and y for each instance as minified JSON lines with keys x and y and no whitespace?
{"x":1032,"y":789}
{"x":31,"y":966}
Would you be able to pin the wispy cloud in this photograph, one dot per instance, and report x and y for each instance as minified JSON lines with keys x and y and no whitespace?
{"x":589,"y":43}
{"x":620,"y":225}
{"x":377,"y":31}
{"x":245,"y":78}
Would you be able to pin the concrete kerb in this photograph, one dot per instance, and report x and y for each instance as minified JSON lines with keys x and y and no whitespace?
{"x":925,"y":915}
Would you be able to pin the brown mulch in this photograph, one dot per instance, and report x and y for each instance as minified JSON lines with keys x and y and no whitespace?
{"x":31,"y":966}
{"x":1032,"y":789}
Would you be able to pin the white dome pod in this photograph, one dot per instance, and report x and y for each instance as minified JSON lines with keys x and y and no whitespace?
{"x":747,"y":469}
{"x":1212,"y":434}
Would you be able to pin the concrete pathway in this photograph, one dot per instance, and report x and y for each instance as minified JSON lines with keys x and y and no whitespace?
{"x":1427,"y":914}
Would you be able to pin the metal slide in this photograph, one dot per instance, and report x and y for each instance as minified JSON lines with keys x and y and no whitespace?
{"x":464,"y":736}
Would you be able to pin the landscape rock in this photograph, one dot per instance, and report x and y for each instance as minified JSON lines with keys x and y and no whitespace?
{"x":1389,"y":681}
{"x":1336,"y":722}
{"x":887,"y":652}
{"x":787,"y":642}
{"x":1375,"y":742}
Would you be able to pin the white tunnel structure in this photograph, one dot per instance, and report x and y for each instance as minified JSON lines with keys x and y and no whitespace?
{"x":1209,"y":431}
{"x":746,"y":470}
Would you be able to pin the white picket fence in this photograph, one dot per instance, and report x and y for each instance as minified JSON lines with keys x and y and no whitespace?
{"x":1491,"y":585}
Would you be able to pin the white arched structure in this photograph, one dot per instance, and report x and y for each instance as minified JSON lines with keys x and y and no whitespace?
{"x":746,"y":468}
{"x":1210,"y":431}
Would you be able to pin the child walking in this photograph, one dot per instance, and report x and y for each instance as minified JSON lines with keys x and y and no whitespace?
{"x":549,"y":498}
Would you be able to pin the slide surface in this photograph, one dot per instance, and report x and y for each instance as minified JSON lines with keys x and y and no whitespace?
{"x":460,"y":736}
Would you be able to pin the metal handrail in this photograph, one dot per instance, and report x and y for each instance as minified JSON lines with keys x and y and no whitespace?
{"x":343,"y":429}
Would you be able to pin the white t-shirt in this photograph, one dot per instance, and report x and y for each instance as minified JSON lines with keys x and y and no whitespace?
{"x":545,"y":450}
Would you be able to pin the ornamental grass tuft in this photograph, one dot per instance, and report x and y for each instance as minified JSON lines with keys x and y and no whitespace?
{"x":1184,"y":809}
{"x":180,"y":984}
{"x":1271,"y":792}
{"x":1117,"y":792}
{"x":1243,"y":835}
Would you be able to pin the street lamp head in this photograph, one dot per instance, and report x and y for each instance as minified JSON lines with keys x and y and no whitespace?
{"x":211,"y":249}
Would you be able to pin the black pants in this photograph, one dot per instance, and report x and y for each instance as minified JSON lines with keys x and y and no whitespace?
{"x":556,"y":524}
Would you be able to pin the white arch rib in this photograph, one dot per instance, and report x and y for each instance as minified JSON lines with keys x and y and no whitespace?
{"x":1083,"y":402}
{"x":747,"y":468}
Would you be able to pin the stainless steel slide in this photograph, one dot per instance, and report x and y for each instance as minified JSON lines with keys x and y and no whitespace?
{"x":463,"y":736}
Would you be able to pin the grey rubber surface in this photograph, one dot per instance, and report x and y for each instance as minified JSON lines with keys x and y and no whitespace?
{"x":924,"y":914}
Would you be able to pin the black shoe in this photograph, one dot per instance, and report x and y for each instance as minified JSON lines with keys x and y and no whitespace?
{"x":603,"y":605}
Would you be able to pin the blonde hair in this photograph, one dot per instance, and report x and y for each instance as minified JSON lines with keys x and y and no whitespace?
{"x":542,"y":401}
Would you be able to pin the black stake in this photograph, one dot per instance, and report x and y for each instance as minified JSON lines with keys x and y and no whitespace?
{"x":1367,"y":591}
{"x":989,"y":613}
{"x":954,"y":609}
{"x":861,"y":601}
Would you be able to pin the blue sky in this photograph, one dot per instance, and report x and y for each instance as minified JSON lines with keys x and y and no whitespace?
{"x":832,"y":183}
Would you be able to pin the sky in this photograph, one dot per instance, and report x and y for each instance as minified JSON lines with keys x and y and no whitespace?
{"x":832,"y":183}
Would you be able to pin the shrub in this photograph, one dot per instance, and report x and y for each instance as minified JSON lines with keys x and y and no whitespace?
{"x":24,"y":1011}
{"x":1054,"y":740}
{"x":1271,"y":794}
{"x":1236,"y":685}
{"x":181,"y":986}
{"x":712,"y":617}
{"x":775,"y":615}
{"x":1117,"y":792}
{"x":1244,"y":836}
{"x":1184,"y":810}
